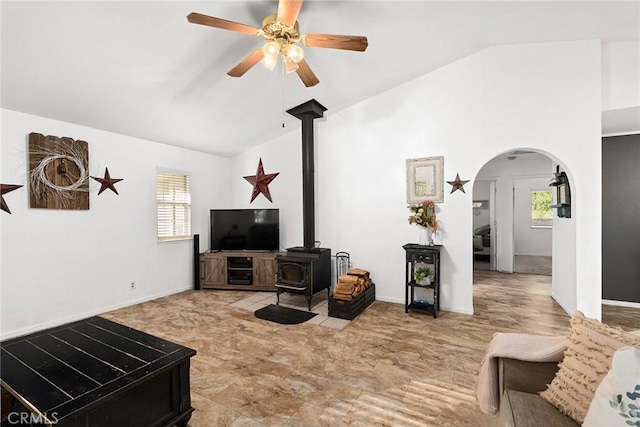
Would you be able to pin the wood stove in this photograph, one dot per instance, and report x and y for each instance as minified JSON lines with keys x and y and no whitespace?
{"x":306,"y":269}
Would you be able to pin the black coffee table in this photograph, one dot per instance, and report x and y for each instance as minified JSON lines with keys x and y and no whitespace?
{"x":97,"y":373}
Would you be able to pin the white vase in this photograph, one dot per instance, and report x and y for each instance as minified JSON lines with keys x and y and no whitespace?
{"x":426,"y":236}
{"x":423,"y":237}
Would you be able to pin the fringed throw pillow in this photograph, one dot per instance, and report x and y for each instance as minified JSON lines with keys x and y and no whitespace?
{"x":587,"y":360}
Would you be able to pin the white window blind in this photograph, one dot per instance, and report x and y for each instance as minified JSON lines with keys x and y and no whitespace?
{"x":174,"y":206}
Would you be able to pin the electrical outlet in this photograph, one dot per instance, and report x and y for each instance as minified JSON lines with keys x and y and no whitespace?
{"x":132,"y":285}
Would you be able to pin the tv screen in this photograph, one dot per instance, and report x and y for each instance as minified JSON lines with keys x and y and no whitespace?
{"x":245,"y":229}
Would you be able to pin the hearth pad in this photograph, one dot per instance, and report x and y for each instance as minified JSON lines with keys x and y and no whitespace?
{"x":283,"y":315}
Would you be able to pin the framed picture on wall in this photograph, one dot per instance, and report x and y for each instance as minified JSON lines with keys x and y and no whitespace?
{"x":425,"y":179}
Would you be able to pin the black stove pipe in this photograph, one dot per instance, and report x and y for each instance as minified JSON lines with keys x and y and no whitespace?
{"x":307,"y":113}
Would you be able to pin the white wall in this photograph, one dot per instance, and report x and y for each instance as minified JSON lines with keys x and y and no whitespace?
{"x":620,"y":75}
{"x":620,"y":88}
{"x":60,"y":265}
{"x":543,"y":96}
{"x":284,"y":156}
{"x":529,"y":240}
{"x":564,"y":284}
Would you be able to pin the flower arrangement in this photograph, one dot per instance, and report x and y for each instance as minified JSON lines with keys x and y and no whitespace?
{"x":424,"y":214}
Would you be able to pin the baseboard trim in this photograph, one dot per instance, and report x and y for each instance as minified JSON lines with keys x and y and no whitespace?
{"x":540,"y":255}
{"x":392,"y":300}
{"x":458,"y":310}
{"x":442,"y":307}
{"x":570,"y":313}
{"x":621,"y":303}
{"x":80,"y":316}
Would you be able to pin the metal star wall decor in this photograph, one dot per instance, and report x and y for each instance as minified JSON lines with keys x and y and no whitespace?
{"x":107,"y":182}
{"x":6,"y":188}
{"x":260,"y":182}
{"x":458,"y":184}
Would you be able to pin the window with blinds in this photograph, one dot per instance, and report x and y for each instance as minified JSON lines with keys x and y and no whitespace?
{"x":174,"y":206}
{"x":541,"y":211}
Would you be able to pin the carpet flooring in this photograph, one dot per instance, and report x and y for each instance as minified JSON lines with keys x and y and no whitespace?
{"x":528,"y":264}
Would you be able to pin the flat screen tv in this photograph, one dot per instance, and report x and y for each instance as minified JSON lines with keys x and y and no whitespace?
{"x":245,"y":229}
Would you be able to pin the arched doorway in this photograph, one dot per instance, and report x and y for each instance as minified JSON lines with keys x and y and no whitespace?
{"x":509,"y":236}
{"x":508,"y":187}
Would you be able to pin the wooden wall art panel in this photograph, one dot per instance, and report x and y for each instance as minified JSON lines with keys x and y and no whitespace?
{"x":58,"y":172}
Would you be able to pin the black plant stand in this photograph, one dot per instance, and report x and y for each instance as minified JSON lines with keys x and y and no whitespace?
{"x":427,"y":255}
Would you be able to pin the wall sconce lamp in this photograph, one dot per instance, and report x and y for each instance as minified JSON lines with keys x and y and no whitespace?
{"x":563,"y":193}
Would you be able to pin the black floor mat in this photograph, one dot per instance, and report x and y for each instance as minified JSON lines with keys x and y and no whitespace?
{"x":283,"y":315}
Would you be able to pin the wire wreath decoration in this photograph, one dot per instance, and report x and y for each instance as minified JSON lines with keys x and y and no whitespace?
{"x":40,"y":173}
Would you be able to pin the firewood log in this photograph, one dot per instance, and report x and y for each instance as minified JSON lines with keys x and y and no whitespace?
{"x":347,"y":279}
{"x":358,"y":272}
{"x":342,"y":297}
{"x":345,"y":288}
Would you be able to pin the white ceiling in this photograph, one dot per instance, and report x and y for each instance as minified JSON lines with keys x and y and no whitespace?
{"x":139,"y":68}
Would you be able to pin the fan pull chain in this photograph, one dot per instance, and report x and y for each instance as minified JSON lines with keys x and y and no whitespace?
{"x":282,"y":93}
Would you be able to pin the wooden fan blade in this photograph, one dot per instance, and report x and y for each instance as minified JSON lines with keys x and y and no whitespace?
{"x":336,"y":41}
{"x":306,"y":75}
{"x":288,"y":11}
{"x":198,"y":18}
{"x":247,"y":63}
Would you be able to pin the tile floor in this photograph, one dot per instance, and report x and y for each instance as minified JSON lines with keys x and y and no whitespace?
{"x":319,"y":305}
{"x":385,"y":368}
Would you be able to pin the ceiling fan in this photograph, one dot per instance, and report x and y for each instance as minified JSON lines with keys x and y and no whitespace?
{"x":281,"y":33}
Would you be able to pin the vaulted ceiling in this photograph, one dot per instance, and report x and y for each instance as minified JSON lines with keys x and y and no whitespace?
{"x":139,"y":68}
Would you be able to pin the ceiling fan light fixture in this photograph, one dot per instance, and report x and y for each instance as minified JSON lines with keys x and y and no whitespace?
{"x":289,"y":65}
{"x":294,"y":52}
{"x":270,"y":62}
{"x":281,"y":33}
{"x":271,"y":49}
